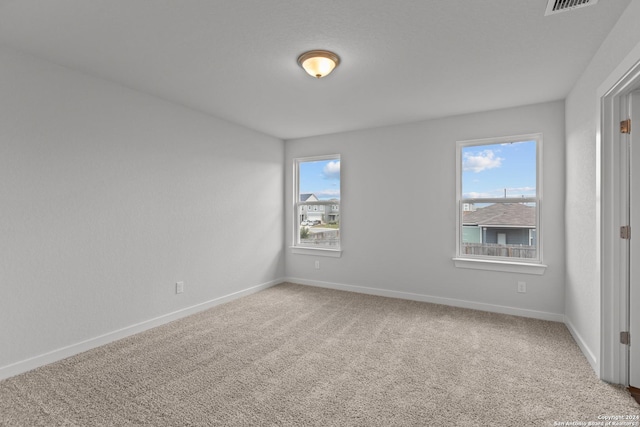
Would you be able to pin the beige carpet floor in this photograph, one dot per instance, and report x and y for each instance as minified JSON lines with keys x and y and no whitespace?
{"x":301,"y":356}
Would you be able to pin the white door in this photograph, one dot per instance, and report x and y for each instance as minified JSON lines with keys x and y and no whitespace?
{"x":502,"y":239}
{"x":634,"y":274}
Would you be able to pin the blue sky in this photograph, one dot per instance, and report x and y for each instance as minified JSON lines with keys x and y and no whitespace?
{"x":489,"y":169}
{"x":321,"y":178}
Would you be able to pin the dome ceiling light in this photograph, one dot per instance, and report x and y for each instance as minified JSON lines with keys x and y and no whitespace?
{"x":318,"y":63}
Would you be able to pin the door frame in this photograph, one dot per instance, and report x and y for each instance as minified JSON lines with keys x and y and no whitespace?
{"x":612,"y":200}
{"x":631,"y":109}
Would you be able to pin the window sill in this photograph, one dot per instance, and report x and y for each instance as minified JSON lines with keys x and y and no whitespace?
{"x":302,"y":250}
{"x":504,"y":266}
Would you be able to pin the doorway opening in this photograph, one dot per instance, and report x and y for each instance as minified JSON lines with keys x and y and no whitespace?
{"x":614,"y":210}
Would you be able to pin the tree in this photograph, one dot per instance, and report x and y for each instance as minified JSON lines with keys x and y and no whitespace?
{"x":304,"y":233}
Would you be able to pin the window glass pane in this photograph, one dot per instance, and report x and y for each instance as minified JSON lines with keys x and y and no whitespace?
{"x":500,"y":230}
{"x":499,"y":170}
{"x":319,"y":198}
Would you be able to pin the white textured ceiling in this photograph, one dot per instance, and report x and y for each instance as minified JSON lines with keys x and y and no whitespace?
{"x":402,"y":60}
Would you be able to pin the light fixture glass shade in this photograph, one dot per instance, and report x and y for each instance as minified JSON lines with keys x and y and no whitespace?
{"x":318,"y":63}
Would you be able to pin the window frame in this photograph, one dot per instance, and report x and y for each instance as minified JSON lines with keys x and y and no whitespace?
{"x":506,"y":264}
{"x":296,"y":246}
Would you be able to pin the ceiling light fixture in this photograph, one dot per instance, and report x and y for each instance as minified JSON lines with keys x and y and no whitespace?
{"x":318,"y":63}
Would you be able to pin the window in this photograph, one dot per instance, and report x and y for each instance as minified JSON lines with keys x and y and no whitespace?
{"x":498,"y":187}
{"x":317,"y":201}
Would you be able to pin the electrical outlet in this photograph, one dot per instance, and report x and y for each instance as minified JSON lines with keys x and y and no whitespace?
{"x":317,"y":265}
{"x":179,"y":287}
{"x":522,"y":287}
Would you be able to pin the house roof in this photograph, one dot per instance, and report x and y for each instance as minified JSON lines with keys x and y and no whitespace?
{"x":502,"y":214}
{"x":310,"y":197}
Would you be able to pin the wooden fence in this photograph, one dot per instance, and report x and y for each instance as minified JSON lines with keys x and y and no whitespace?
{"x":494,"y":249}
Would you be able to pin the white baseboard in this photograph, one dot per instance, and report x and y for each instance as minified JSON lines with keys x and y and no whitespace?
{"x":555,"y":317}
{"x":591,"y":357}
{"x":64,"y":352}
{"x":542,"y":315}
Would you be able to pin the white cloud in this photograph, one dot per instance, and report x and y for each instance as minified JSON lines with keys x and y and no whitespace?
{"x":328,"y":194}
{"x":499,"y":193}
{"x":481,"y":161}
{"x":332,"y":170}
{"x":523,"y":190}
{"x":475,"y":195}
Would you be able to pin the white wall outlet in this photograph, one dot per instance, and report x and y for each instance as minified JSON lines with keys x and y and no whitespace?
{"x":522,"y":287}
{"x":317,"y":265}
{"x":179,"y":287}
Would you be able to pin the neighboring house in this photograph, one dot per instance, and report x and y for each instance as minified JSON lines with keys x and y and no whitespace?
{"x":466,"y":207}
{"x":333,"y":210}
{"x":324,"y":211}
{"x":308,"y":197}
{"x":500,"y":223}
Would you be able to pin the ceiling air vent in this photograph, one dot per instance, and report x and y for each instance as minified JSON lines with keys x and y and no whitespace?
{"x":557,"y":6}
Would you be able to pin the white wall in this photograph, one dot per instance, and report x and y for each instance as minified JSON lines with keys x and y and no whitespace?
{"x":109,"y":196}
{"x":398,"y":213}
{"x":582,"y":307}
